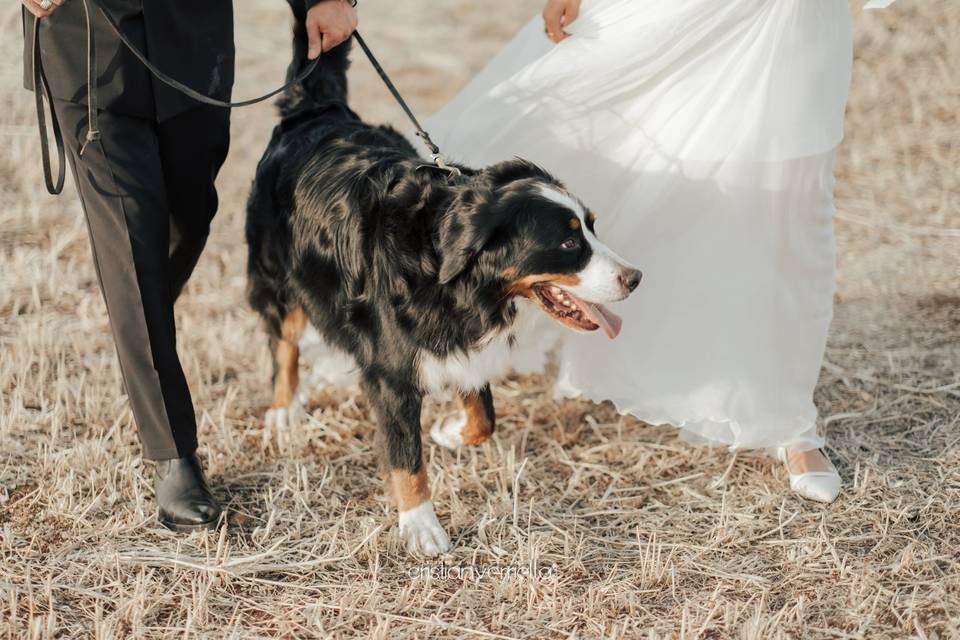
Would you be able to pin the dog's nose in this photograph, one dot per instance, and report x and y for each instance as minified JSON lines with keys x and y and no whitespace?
{"x":630,"y":279}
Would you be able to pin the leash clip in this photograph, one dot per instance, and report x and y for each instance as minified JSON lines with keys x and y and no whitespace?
{"x":441,"y":161}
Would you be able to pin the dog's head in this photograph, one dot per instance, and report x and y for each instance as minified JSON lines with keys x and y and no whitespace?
{"x":516,"y":231}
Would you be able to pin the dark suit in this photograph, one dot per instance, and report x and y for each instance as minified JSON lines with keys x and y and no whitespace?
{"x":147,"y":185}
{"x":189,"y":40}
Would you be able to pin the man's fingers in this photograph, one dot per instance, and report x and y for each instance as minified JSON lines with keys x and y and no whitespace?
{"x":45,"y":10}
{"x":40,"y":13}
{"x":335,"y":39}
{"x":573,"y":10}
{"x":36,"y":9}
{"x":336,"y":20}
{"x":331,"y":39}
{"x":313,"y":41}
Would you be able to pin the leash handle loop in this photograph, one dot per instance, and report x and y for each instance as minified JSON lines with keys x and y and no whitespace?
{"x":41,"y":88}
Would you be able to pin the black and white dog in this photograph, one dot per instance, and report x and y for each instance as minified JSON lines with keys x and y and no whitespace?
{"x":418,"y":274}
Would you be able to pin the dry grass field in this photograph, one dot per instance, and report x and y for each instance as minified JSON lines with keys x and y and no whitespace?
{"x":572,"y":521}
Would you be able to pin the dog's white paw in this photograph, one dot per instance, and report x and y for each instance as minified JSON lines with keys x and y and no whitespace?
{"x":279,"y":421}
{"x":449,"y":432}
{"x":421,"y":532}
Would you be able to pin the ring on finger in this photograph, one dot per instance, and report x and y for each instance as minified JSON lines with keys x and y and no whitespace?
{"x":45,"y":4}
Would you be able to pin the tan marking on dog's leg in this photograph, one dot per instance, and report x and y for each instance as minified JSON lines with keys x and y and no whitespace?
{"x":472,"y":425}
{"x":288,"y":359}
{"x":478,"y":428}
{"x":409,"y":489}
{"x":285,"y":411}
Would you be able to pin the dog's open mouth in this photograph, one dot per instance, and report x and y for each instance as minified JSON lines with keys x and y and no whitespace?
{"x":576,"y":313}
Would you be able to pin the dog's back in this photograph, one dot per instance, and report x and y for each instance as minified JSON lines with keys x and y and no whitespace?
{"x":316,"y":139}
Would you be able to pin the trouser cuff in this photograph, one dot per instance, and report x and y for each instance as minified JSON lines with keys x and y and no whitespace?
{"x":168,"y":453}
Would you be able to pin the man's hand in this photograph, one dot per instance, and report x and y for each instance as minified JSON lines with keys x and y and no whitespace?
{"x":335,"y":19}
{"x":557,"y":15}
{"x":40,"y":8}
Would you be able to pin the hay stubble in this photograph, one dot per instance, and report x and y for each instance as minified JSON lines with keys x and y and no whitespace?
{"x":585,"y":523}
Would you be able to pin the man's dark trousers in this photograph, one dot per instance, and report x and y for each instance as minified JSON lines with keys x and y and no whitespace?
{"x":147,"y":185}
{"x":148,"y":195}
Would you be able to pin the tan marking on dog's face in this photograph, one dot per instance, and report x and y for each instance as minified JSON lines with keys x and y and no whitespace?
{"x":409,"y":489}
{"x":574,"y":223}
{"x":478,"y":427}
{"x":523,"y":286}
{"x":287,"y":358}
{"x":509,"y":272}
{"x":591,"y":218}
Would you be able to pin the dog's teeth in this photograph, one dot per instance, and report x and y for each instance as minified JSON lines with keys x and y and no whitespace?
{"x":556,"y":290}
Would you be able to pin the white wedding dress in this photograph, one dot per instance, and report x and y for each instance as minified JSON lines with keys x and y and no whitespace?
{"x":703,"y":134}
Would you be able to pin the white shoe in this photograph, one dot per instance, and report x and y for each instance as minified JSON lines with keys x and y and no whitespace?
{"x":822,"y":486}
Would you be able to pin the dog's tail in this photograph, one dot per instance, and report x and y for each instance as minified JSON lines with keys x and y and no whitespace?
{"x":327,"y":83}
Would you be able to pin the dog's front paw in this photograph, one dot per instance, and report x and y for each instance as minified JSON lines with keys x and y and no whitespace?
{"x":421,"y":532}
{"x":449,"y":433}
{"x":280,"y":420}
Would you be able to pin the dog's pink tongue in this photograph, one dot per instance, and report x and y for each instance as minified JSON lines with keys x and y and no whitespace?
{"x":600,"y":315}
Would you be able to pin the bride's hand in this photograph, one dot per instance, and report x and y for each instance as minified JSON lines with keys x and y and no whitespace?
{"x":558,"y":14}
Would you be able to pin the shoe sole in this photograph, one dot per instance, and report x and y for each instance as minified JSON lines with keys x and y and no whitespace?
{"x":187,"y":528}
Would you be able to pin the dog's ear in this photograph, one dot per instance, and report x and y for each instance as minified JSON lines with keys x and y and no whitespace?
{"x":466,"y":226}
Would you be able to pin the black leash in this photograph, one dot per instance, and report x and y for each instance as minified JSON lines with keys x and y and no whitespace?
{"x":437,"y":157}
{"x":184,"y":89}
{"x":41,"y":86}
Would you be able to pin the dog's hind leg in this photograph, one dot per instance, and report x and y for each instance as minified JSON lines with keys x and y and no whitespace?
{"x":397,"y":405}
{"x":286,"y":410}
{"x":474,"y":424}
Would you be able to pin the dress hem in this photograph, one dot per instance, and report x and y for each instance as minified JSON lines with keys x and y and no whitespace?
{"x":803,"y":441}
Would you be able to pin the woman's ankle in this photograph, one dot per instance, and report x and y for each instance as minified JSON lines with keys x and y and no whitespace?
{"x":800,"y":461}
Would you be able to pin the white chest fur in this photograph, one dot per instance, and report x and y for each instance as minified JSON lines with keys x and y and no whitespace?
{"x":471,"y":370}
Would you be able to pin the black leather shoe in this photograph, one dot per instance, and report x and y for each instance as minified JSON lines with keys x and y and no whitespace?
{"x":184,"y":501}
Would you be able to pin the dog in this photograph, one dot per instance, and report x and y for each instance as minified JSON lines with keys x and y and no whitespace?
{"x":419,"y":274}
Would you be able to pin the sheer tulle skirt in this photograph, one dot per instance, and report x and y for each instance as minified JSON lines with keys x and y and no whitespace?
{"x":703,"y":133}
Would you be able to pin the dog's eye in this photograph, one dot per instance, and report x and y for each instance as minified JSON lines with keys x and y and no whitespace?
{"x":571,"y":243}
